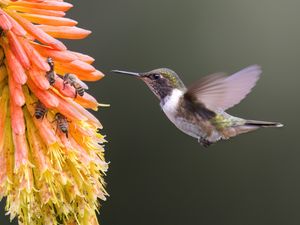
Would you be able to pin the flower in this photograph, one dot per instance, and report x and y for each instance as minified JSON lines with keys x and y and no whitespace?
{"x":51,"y":152}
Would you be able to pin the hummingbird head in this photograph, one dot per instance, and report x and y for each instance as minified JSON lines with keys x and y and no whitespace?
{"x":160,"y":81}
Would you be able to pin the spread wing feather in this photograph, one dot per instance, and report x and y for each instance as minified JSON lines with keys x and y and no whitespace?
{"x":220,"y":92}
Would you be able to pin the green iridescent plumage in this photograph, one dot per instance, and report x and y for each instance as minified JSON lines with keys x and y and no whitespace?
{"x":170,"y":75}
{"x":224,"y":120}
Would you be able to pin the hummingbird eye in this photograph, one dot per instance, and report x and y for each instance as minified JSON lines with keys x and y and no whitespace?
{"x":155,"y":76}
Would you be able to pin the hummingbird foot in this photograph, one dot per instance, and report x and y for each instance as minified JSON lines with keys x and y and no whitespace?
{"x":204,"y":142}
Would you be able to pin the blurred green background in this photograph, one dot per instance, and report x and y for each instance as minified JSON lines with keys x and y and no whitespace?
{"x":160,"y":176}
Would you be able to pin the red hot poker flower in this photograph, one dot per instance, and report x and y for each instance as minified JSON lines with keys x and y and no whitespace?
{"x":51,"y":154}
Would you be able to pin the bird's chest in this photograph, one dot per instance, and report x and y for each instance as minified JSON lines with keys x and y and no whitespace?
{"x":170,"y":105}
{"x":180,"y":117}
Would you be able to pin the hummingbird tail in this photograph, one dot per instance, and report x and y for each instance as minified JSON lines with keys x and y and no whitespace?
{"x":247,"y":126}
{"x":262,"y":123}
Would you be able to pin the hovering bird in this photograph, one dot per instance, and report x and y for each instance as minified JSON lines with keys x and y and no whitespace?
{"x":199,"y":110}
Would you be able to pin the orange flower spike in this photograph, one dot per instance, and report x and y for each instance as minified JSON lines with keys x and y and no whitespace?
{"x":63,"y":179}
{"x":16,"y":92}
{"x":39,"y":78}
{"x":65,"y":32}
{"x":37,"y":59}
{"x":39,"y":34}
{"x":61,"y":56}
{"x":15,"y":68}
{"x":49,"y":20}
{"x":5,"y":23}
{"x":37,"y":11}
{"x":51,"y":5}
{"x":18,"y":49}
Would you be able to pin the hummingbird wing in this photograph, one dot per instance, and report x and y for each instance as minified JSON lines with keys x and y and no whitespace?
{"x":220,"y":92}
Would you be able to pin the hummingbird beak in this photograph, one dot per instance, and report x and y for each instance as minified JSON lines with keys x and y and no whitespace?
{"x":126,"y":73}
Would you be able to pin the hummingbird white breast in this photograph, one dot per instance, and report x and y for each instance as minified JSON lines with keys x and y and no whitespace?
{"x":170,"y":106}
{"x":170,"y":103}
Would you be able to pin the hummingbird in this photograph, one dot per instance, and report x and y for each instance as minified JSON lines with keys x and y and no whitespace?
{"x":200,"y":109}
